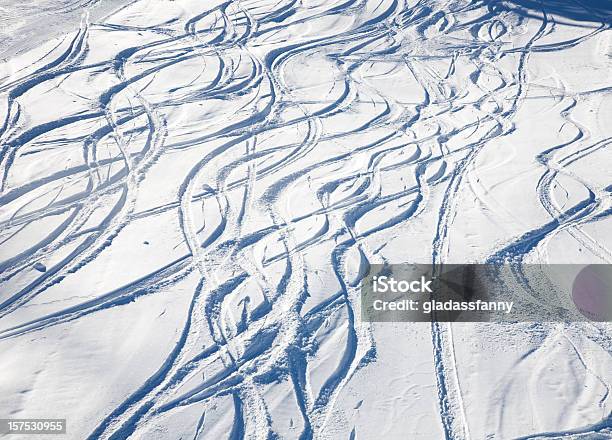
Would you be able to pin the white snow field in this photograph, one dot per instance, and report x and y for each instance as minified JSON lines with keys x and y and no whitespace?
{"x":192,"y":190}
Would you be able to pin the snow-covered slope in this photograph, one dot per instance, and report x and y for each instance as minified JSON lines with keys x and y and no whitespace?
{"x":191,"y":191}
{"x":26,"y":24}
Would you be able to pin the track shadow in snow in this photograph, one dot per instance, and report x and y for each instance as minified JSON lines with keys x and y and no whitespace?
{"x":588,"y":11}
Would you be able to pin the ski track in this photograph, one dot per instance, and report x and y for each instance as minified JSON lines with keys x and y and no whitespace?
{"x":263,"y":143}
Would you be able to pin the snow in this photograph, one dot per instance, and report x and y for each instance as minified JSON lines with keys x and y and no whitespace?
{"x":191,"y":192}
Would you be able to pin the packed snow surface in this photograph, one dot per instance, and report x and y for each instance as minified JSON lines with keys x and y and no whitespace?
{"x":191,"y":191}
